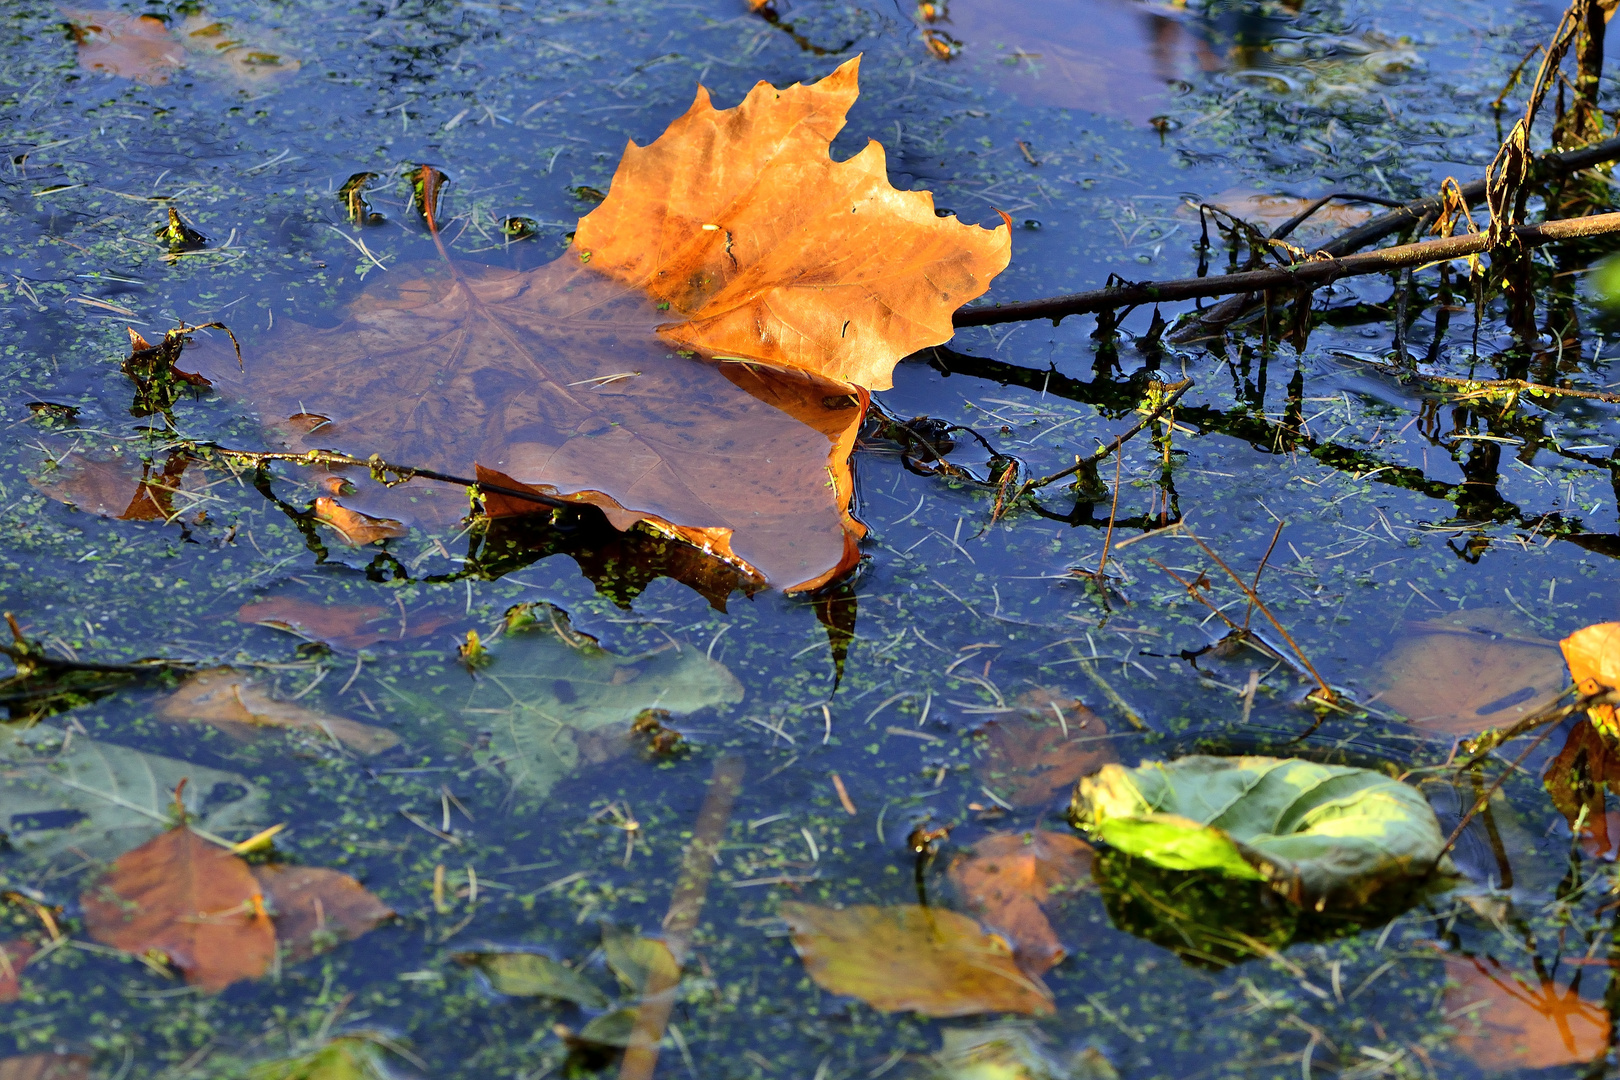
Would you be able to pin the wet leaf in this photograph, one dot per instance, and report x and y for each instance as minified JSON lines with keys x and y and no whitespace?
{"x":13,"y":958}
{"x":566,"y":379}
{"x":189,"y":900}
{"x":234,"y":701}
{"x":314,"y":908}
{"x":352,"y":1057}
{"x":1319,"y":834}
{"x":344,"y":625}
{"x":61,"y":792}
{"x":1269,"y":211}
{"x":354,"y":527}
{"x":1577,"y":779}
{"x":527,"y":974}
{"x":1044,"y":748}
{"x":545,"y":686}
{"x":232,"y":53}
{"x":1013,"y":1051}
{"x":927,"y":960}
{"x":614,"y":1029}
{"x":1470,"y":671}
{"x":1593,"y":655}
{"x":1007,"y":878}
{"x":636,"y":960}
{"x":137,"y":47}
{"x":115,"y":488}
{"x":1521,"y":1021}
{"x":45,"y":1067}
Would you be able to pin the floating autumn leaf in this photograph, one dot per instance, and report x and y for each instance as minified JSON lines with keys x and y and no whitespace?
{"x":354,"y":527}
{"x":1044,"y":748}
{"x":348,"y":626}
{"x":927,"y":960}
{"x":189,"y":900}
{"x":1507,"y":1021}
{"x":233,"y":701}
{"x":1577,"y":779}
{"x":1470,"y":671}
{"x":1007,"y":878}
{"x":137,"y":47}
{"x":735,"y":238}
{"x":14,"y":957}
{"x":116,"y":488}
{"x":1593,"y":655}
{"x":314,"y":908}
{"x":45,"y":1067}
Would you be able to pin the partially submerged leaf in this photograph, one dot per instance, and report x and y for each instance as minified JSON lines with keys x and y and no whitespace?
{"x":115,"y":488}
{"x":137,"y":47}
{"x":346,"y":626}
{"x":637,"y":960}
{"x":928,"y":960}
{"x":45,"y":1067}
{"x":62,"y":791}
{"x":352,"y":526}
{"x":544,"y":687}
{"x":1593,"y":655}
{"x":14,"y":957}
{"x":1266,"y":212}
{"x":231,"y":700}
{"x":1044,"y":748}
{"x":1319,"y":834}
{"x":1577,"y":779}
{"x":352,"y":1057}
{"x":1013,"y":1050}
{"x":1470,"y":671}
{"x":190,"y":901}
{"x":529,"y":974}
{"x":314,"y":908}
{"x":1508,"y":1021}
{"x":1008,"y":877}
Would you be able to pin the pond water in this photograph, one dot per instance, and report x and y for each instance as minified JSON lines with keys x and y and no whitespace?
{"x":1426,"y":550}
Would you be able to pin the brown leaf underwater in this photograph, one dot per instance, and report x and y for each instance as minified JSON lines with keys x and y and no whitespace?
{"x":45,"y":1066}
{"x":314,"y":907}
{"x":113,"y":488}
{"x":682,"y":366}
{"x":1041,"y":750}
{"x":145,"y":50}
{"x":1511,"y":1022}
{"x":230,"y":700}
{"x":1009,"y":875}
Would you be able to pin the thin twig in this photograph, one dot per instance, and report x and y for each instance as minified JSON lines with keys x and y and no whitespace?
{"x":1483,"y":386}
{"x":1175,"y":392}
{"x":1254,"y":586}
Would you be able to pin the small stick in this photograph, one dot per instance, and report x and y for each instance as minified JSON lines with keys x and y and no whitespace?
{"x":1175,"y":392}
{"x":843,"y":795}
{"x":1254,"y":586}
{"x":1113,"y":512}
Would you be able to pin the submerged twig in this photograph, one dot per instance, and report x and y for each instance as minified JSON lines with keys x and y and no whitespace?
{"x":1173,"y":395}
{"x":1477,"y":387}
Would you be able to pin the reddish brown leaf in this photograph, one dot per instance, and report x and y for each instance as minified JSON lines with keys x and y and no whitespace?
{"x":1470,"y":671}
{"x":354,"y":527}
{"x":1044,"y":748}
{"x":189,"y":900}
{"x":351,"y":627}
{"x":45,"y":1067}
{"x":1587,"y":766}
{"x":137,"y":47}
{"x":566,"y":378}
{"x":1521,"y":1021}
{"x":112,"y":487}
{"x":314,"y":907}
{"x":233,"y":701}
{"x":1008,"y":877}
{"x":1593,"y":655}
{"x":13,"y":958}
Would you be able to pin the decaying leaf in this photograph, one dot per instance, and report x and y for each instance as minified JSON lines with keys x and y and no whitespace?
{"x":1507,"y":1022}
{"x":927,"y":960}
{"x":231,"y":700}
{"x":233,"y":53}
{"x":61,"y":791}
{"x":733,"y":239}
{"x":1269,"y":211}
{"x":137,"y":47}
{"x":354,"y":527}
{"x":1044,"y":748}
{"x":1577,"y":779}
{"x":45,"y":1067}
{"x":14,"y":957}
{"x":1319,"y":834}
{"x":529,"y":974}
{"x":115,"y":488}
{"x":1593,"y":655}
{"x":637,"y":960}
{"x":1470,"y":671}
{"x":1013,"y":1050}
{"x":346,"y":626}
{"x":351,"y":1057}
{"x":546,"y":685}
{"x":314,"y":908}
{"x":189,"y":900}
{"x":1007,"y":878}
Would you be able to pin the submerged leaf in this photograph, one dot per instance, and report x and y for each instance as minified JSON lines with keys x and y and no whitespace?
{"x":1593,"y":655}
{"x":352,"y":1057}
{"x":61,"y":792}
{"x":1470,"y":671}
{"x":14,"y":956}
{"x":639,"y":961}
{"x":1509,"y":1021}
{"x":928,"y":960}
{"x":543,"y":688}
{"x":1320,"y":834}
{"x":231,"y":700}
{"x":1009,"y":876}
{"x":45,"y":1067}
{"x":527,"y":974}
{"x":314,"y":908}
{"x":1012,"y":1051}
{"x":1587,"y":767}
{"x":113,"y":488}
{"x":189,"y":900}
{"x":137,"y":47}
{"x":1045,"y":747}
{"x":343,"y":625}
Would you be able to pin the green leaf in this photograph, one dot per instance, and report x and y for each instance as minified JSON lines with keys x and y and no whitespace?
{"x":123,"y":797}
{"x":545,"y":685}
{"x":610,"y":1029}
{"x":1320,"y":834}
{"x":523,"y":974}
{"x":353,"y":1058}
{"x":635,"y":959}
{"x":1012,"y":1051}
